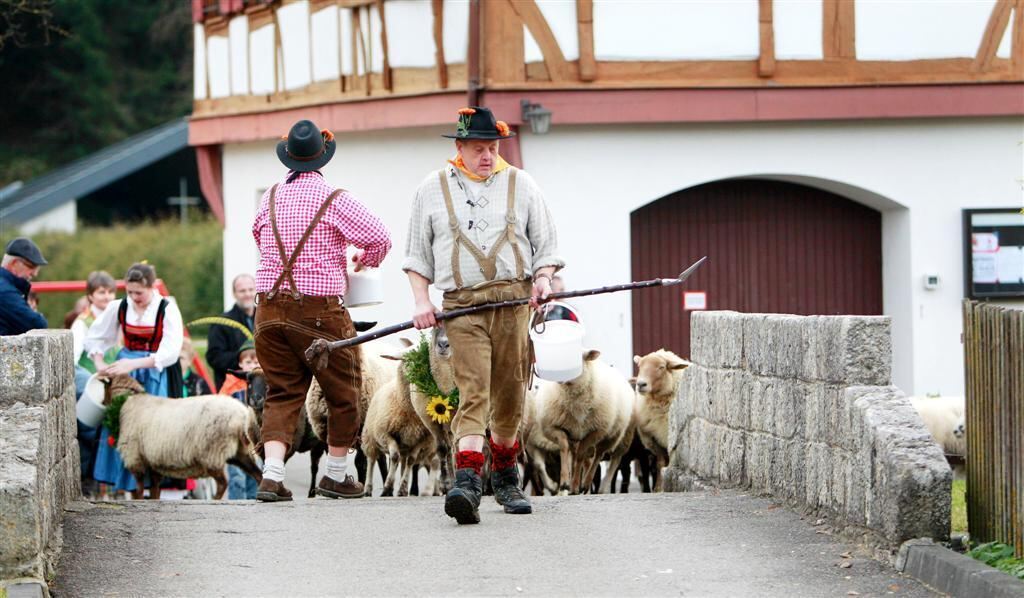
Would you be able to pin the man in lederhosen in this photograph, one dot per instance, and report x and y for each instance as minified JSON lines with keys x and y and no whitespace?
{"x":302,"y":229}
{"x":481,"y":232}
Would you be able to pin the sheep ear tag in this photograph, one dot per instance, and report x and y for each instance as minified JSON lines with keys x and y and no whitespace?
{"x":685,"y":273}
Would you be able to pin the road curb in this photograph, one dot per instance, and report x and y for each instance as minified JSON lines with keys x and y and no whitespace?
{"x":954,"y":573}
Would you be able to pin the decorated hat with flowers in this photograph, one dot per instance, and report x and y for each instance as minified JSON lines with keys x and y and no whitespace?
{"x":476,"y":122}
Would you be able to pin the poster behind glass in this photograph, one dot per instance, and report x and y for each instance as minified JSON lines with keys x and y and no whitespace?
{"x":994,"y":260}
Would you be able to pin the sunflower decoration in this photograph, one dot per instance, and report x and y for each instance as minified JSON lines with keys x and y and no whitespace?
{"x":440,"y":409}
{"x":441,"y":405}
{"x":462,"y":128}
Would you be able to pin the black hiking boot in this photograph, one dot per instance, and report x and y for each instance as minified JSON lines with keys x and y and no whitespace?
{"x":508,"y":492}
{"x":463,"y":501}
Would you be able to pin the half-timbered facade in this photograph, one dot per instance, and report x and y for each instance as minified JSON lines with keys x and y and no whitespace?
{"x":819,"y":151}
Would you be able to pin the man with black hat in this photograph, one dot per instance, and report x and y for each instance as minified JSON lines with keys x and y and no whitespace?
{"x":302,"y":229}
{"x":480,"y":231}
{"x":21,"y":263}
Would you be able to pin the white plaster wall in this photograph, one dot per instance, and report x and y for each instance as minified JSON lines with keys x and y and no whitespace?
{"x":238,"y":33}
{"x":410,"y":33}
{"x":376,"y":48}
{"x":657,"y":30}
{"x":63,"y":219}
{"x":797,"y":29}
{"x":912,"y":29}
{"x":294,"y":20}
{"x":219,"y":66}
{"x":198,"y":62}
{"x":348,"y":59}
{"x":325,"y":40}
{"x":261,"y":60}
{"x":455,"y":30}
{"x":920,"y":174}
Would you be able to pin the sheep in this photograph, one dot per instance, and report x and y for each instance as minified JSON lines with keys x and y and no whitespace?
{"x":187,"y":438}
{"x":443,"y":371}
{"x":657,"y":381}
{"x":376,"y":371}
{"x":541,"y":452}
{"x":944,"y":418}
{"x":587,"y":417}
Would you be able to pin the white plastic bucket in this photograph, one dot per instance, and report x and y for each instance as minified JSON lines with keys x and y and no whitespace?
{"x":558,"y":348}
{"x":90,"y":407}
{"x":365,"y":288}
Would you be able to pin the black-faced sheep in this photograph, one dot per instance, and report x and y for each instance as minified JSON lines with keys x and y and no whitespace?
{"x":587,"y":417}
{"x":657,"y":381}
{"x":183,"y":438}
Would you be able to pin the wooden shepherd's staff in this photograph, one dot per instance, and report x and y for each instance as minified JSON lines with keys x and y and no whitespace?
{"x":319,"y":350}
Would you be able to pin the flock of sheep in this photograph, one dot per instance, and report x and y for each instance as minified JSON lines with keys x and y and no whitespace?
{"x":568,"y":428}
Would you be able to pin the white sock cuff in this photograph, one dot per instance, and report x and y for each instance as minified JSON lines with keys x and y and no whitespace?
{"x":274,"y":469}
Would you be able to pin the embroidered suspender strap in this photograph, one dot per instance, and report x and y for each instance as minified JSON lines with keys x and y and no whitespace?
{"x":288,"y":262}
{"x":488,"y":263}
{"x":510,"y":227}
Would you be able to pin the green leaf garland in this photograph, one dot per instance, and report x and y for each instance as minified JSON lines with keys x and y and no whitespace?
{"x":112,"y":417}
{"x":417,"y":368}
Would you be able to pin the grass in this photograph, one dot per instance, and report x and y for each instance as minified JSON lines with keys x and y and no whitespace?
{"x":958,"y":516}
{"x":1000,"y":556}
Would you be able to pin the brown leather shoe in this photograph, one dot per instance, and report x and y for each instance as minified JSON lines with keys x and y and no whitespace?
{"x":271,"y":491}
{"x":350,"y":488}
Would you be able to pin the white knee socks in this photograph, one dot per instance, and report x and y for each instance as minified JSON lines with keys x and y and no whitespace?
{"x":336,"y":467}
{"x":274,"y":469}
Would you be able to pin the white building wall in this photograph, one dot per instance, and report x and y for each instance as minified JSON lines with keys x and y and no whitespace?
{"x":919,"y":173}
{"x":62,"y":219}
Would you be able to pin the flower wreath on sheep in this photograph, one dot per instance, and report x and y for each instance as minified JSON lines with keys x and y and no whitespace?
{"x":416,"y":362}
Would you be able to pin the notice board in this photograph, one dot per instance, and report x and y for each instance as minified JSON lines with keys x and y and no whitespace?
{"x":993,"y":253}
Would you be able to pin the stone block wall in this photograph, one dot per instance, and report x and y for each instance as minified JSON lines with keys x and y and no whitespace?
{"x":802,"y":408}
{"x":39,"y":467}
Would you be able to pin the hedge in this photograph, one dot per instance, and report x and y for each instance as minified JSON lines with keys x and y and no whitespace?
{"x":188,"y":258}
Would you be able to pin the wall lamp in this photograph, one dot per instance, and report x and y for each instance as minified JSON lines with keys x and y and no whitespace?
{"x":538,"y":116}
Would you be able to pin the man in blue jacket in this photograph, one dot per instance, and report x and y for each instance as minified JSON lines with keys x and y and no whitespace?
{"x":21,"y":263}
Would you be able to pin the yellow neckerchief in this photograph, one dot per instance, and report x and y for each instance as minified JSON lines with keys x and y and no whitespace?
{"x":458,"y":163}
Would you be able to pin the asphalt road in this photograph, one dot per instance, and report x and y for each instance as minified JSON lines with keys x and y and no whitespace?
{"x":692,"y":544}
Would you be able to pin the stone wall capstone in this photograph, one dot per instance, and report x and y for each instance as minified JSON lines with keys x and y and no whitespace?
{"x":802,"y":408}
{"x":39,"y":461}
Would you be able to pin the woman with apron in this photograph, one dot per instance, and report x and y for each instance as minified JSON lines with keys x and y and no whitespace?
{"x":151,"y":330}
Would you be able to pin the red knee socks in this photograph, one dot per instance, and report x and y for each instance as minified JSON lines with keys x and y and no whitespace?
{"x":470,"y":460}
{"x":503,"y":457}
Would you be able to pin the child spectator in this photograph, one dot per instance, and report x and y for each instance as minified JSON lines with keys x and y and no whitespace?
{"x":194,"y":384}
{"x":240,"y":486}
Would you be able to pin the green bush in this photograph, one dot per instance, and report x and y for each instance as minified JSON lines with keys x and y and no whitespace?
{"x":188,"y":259}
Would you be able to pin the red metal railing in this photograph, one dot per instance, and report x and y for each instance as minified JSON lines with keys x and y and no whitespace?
{"x":78,"y":286}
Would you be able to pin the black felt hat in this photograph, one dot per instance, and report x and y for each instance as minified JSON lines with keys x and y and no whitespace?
{"x":306,"y":148}
{"x":26,"y":250}
{"x":477,"y":122}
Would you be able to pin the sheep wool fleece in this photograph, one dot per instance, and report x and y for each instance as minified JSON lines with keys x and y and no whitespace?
{"x":491,"y":358}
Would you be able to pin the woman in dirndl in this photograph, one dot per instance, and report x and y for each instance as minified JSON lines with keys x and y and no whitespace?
{"x":151,"y":331}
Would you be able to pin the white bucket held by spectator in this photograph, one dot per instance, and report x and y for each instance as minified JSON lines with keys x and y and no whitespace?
{"x":557,"y":336}
{"x":365,"y":288}
{"x":90,"y":407}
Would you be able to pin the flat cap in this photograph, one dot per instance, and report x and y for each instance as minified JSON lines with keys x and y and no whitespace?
{"x":27,"y":250}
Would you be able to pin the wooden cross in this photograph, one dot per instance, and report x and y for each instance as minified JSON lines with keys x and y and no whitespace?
{"x":183,"y":201}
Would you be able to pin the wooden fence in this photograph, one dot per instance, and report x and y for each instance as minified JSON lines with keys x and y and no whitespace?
{"x":994,"y":366}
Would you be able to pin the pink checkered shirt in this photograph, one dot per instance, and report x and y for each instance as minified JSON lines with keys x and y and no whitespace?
{"x":321,"y":269}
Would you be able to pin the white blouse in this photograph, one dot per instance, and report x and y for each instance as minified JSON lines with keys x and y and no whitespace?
{"x":103,"y":334}
{"x":79,"y":329}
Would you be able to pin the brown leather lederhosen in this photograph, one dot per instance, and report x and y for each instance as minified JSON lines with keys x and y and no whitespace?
{"x":490,"y":350}
{"x":286,"y":324}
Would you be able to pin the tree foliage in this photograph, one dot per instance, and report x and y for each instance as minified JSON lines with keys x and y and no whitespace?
{"x":82,"y":74}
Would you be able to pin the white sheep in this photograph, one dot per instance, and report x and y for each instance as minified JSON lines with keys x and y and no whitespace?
{"x":542,"y":453}
{"x":183,"y":438}
{"x":588,"y":417}
{"x":397,"y":424}
{"x":944,"y":418}
{"x":657,"y":381}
